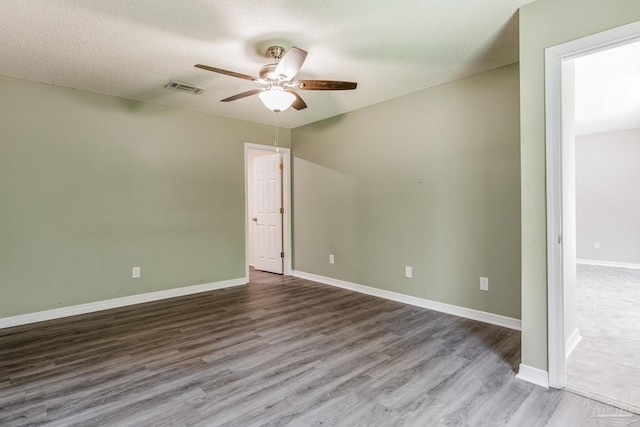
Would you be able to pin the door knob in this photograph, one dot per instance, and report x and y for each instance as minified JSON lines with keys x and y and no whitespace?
{"x":254,"y":219}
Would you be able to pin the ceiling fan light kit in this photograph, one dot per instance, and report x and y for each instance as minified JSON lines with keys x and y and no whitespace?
{"x":277,"y":99}
{"x":278,"y":93}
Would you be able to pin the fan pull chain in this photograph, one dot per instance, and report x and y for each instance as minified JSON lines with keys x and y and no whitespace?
{"x":275,"y":144}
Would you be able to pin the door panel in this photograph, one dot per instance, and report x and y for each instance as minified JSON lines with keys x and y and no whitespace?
{"x":268,"y":216}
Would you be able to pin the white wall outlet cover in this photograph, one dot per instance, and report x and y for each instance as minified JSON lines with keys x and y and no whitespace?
{"x":135,"y":272}
{"x":484,"y":284}
{"x":331,"y":259}
{"x":596,"y":245}
{"x":408,"y":271}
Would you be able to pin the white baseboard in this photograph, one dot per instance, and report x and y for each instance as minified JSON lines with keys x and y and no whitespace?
{"x":533,"y":375}
{"x":572,"y":342}
{"x":608,"y":263}
{"x":467,"y":313}
{"x":74,"y":310}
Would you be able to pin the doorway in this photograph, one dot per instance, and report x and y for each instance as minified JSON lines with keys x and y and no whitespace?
{"x":603,"y":360}
{"x":276,"y":236}
{"x":561,"y":188}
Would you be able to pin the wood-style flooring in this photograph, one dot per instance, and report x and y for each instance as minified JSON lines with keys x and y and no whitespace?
{"x":279,"y":351}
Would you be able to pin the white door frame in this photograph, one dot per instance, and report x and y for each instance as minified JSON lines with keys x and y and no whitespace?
{"x":286,"y":194}
{"x":554,"y":56}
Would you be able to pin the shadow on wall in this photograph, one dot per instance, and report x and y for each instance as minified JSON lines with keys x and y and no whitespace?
{"x":337,"y":230}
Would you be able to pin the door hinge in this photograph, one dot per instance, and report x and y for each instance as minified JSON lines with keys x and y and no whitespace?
{"x":281,"y":166}
{"x":560,"y":238}
{"x":281,"y":210}
{"x":281,"y":254}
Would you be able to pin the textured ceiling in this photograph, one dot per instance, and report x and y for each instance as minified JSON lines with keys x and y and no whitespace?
{"x":131,"y":49}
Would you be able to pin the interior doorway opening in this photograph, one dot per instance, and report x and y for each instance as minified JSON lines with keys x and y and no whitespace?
{"x":561,"y":188}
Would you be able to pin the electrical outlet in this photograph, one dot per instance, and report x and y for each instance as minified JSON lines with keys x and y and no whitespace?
{"x":408,"y":271}
{"x":484,"y":284}
{"x":135,"y":272}
{"x":596,"y":245}
{"x":332,"y":260}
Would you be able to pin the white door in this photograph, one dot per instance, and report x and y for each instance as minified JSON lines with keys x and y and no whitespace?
{"x":267,"y":215}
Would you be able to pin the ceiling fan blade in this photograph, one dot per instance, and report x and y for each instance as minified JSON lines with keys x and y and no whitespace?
{"x":298,"y":103}
{"x":290,"y":63}
{"x":324,"y":85}
{"x":227,"y":72}
{"x":242,"y":95}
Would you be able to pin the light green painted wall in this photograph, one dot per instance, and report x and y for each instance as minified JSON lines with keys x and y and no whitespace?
{"x":91,"y":186}
{"x":543,"y":24}
{"x":430,"y":180}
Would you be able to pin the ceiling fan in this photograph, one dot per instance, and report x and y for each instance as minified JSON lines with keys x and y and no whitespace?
{"x":278,"y":92}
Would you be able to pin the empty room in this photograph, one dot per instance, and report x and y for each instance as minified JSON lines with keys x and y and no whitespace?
{"x":300,"y":213}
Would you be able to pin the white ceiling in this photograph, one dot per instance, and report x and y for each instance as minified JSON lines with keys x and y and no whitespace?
{"x":131,"y":49}
{"x":607,"y":89}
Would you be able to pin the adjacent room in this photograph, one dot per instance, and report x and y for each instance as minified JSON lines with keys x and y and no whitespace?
{"x":281,"y":213}
{"x":607,"y":248}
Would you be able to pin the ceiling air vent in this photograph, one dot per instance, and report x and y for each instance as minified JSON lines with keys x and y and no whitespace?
{"x":184,"y":87}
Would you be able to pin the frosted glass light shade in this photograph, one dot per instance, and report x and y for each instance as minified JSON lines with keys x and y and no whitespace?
{"x":276,"y":99}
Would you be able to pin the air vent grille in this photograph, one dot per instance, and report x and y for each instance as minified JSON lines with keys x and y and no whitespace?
{"x":183,"y":87}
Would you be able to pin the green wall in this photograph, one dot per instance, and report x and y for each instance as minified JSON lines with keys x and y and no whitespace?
{"x":91,"y":186}
{"x":430,"y":180}
{"x":543,"y":24}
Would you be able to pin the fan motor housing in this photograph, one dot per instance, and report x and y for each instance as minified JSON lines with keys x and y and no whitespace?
{"x":268,"y":72}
